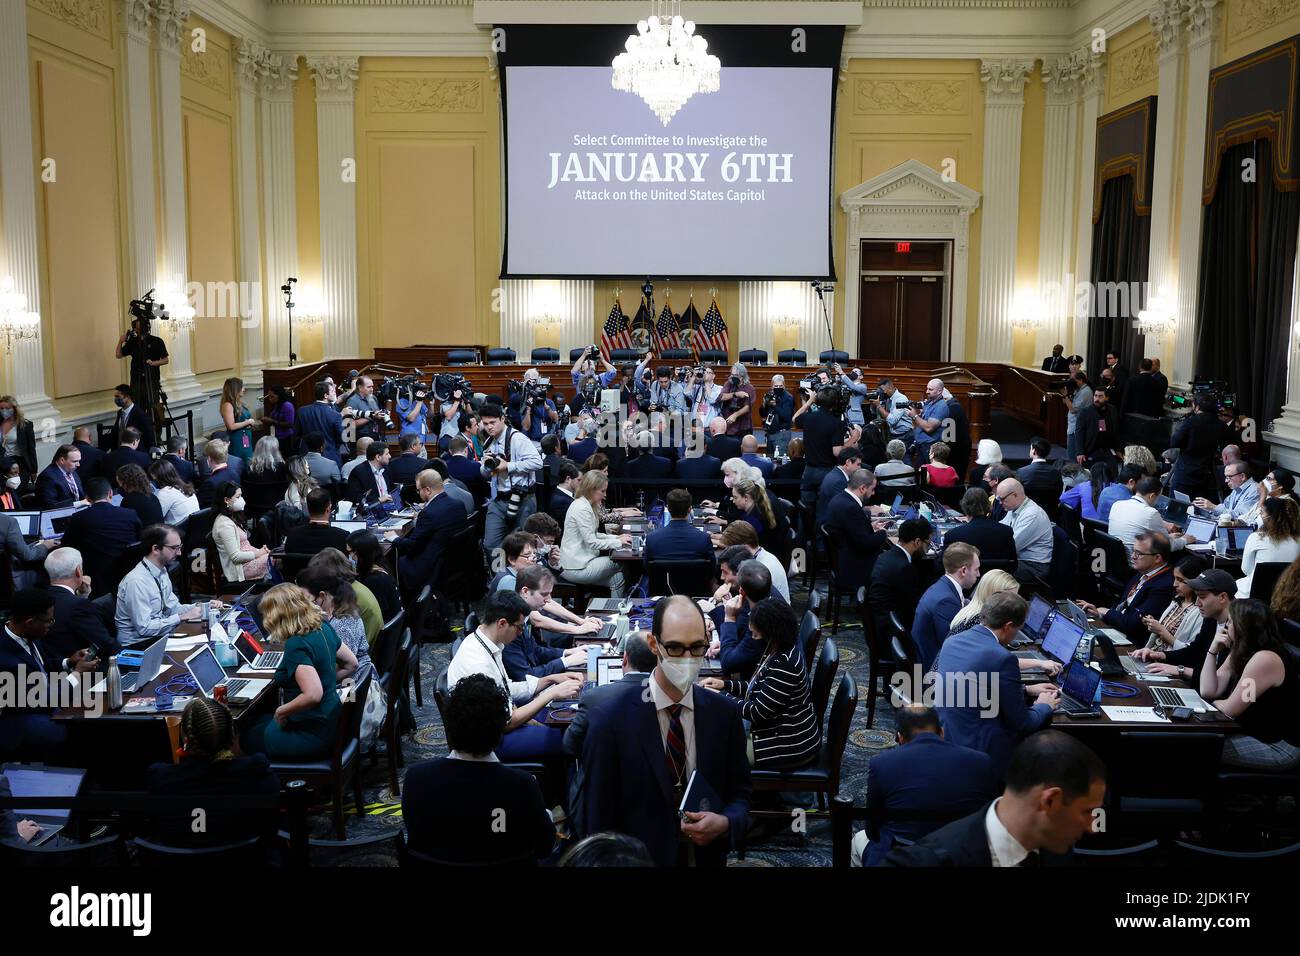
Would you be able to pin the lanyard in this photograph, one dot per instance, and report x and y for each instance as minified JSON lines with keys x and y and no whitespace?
{"x":505,"y":678}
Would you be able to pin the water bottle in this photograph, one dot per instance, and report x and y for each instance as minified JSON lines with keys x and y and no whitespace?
{"x":593,"y":652}
{"x":114,"y":681}
{"x":640,"y":501}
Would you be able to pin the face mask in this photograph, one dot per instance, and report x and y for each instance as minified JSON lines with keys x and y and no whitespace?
{"x":682,"y":671}
{"x":118,"y":402}
{"x":13,"y":482}
{"x":6,"y":413}
{"x":1269,"y":486}
{"x":237,"y":504}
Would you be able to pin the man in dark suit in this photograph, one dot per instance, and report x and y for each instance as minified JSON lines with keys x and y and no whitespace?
{"x":700,"y":468}
{"x":317,"y":534}
{"x":995,"y":541}
{"x":501,"y":816}
{"x":29,"y":734}
{"x":582,"y":449}
{"x":895,"y":578}
{"x":639,"y":747}
{"x":1149,"y":591}
{"x":130,"y":415}
{"x":1055,"y":785}
{"x":91,"y":457}
{"x":1145,"y":394}
{"x":751,"y":580}
{"x":23,"y":555}
{"x":403,"y":469}
{"x":368,"y":482}
{"x":466,"y":470}
{"x":420,"y":551}
{"x":562,"y":496}
{"x":721,"y":445}
{"x":847,"y":462}
{"x":961,"y":442}
{"x":321,"y":417}
{"x":1040,"y":476}
{"x":102,"y":533}
{"x":859,"y":539}
{"x":647,"y":466}
{"x":1056,"y":362}
{"x":750,"y":456}
{"x":943,"y":599}
{"x":1198,"y":440}
{"x":678,"y":540}
{"x":977,"y":689}
{"x":126,"y":453}
{"x":924,"y":774}
{"x":1098,"y":430}
{"x":78,"y":622}
{"x":178,"y":447}
{"x":59,"y":485}
{"x":1121,"y":376}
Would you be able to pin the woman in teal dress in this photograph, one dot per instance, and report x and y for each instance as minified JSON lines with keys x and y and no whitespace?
{"x":304,"y":727}
{"x":237,"y":418}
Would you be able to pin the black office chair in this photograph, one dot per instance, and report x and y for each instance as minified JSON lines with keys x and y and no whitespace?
{"x":810,"y":632}
{"x":1194,"y":855}
{"x":501,"y":356}
{"x":713,"y":357}
{"x":240,"y":853}
{"x":792,"y":357}
{"x":831,"y":356}
{"x":549,"y":355}
{"x":693,"y":577}
{"x":1264,"y":579}
{"x":1164,"y":782}
{"x":823,"y":677}
{"x":753,"y":357}
{"x":623,"y":356}
{"x":1291,"y":632}
{"x":1115,"y":571}
{"x":575,"y":354}
{"x":1070,"y":518}
{"x":675,"y":355}
{"x":907,"y":655}
{"x":440,"y":692}
{"x":462,"y":357}
{"x":392,"y":680}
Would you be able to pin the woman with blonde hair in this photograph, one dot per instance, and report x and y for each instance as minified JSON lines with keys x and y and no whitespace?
{"x":301,"y":483}
{"x":582,"y":543}
{"x":17,"y":436}
{"x":1141,"y":456}
{"x":237,"y":418}
{"x":991,"y":583}
{"x":733,"y":470}
{"x":750,"y":499}
{"x":303,"y":728}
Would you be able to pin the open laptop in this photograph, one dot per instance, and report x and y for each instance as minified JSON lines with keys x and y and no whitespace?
{"x":1112,"y":664}
{"x":1231,"y":542}
{"x":151,"y":664}
{"x":1059,"y":642}
{"x":1183,"y":497}
{"x":38,"y":781}
{"x":1201,"y":530}
{"x":1167,"y":698}
{"x":1036,"y":620}
{"x":1079,"y":683}
{"x":617,"y":605}
{"x":1080,"y":617}
{"x":53,"y":523}
{"x":608,"y":670}
{"x":29,"y":523}
{"x":208,"y":675}
{"x":349,"y":526}
{"x":1173,"y":510}
{"x":250,"y":649}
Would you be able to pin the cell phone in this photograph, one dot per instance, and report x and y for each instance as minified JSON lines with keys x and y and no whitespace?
{"x":1180,"y":713}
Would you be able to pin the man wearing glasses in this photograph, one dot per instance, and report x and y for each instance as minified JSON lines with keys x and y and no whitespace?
{"x":1032,"y":530}
{"x":641,"y":749}
{"x":146,"y":604}
{"x":1149,"y":591}
{"x":1243,"y":494}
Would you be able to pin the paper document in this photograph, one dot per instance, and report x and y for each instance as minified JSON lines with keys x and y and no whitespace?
{"x":1139,"y":715}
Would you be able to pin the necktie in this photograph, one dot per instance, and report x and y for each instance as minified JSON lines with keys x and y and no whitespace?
{"x":72,"y":483}
{"x":675,"y":745}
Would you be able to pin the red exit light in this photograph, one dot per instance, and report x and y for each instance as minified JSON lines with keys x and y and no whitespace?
{"x":902,"y":247}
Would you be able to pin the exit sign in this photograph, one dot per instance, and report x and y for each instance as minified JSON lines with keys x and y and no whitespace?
{"x":902,"y":247}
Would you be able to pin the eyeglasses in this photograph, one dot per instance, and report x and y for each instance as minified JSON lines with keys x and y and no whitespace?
{"x":681,"y":650}
{"x":1143,"y":554}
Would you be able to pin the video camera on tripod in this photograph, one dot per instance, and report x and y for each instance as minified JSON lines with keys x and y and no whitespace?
{"x":145,"y":309}
{"x":408,"y":387}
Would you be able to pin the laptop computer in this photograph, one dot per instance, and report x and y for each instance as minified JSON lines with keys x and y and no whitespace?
{"x":54,"y":522}
{"x":608,"y":670}
{"x":1167,"y":698}
{"x":208,"y":675}
{"x":1080,"y":617}
{"x":1183,"y":497}
{"x":250,"y":649}
{"x":1231,"y":542}
{"x":1201,"y":530}
{"x":349,"y":526}
{"x":38,"y":781}
{"x":1112,"y":664}
{"x":1172,"y":510}
{"x":1059,"y":642}
{"x":617,"y":605}
{"x":1079,"y":683}
{"x":1036,"y":621}
{"x":29,"y":523}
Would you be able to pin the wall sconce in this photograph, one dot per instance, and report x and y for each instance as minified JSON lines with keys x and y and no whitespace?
{"x":1157,"y":319}
{"x":1026,"y":312}
{"x":15,"y":321}
{"x":307,"y":312}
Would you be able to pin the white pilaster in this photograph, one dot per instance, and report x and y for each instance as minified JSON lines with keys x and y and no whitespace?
{"x":279,"y":193}
{"x":570,"y":303}
{"x":764,"y":304}
{"x":182,"y":386}
{"x":1061,"y":76}
{"x":1284,"y":433}
{"x":336,"y":79}
{"x":1004,"y":105}
{"x":136,"y":23}
{"x":1091,"y":88}
{"x":26,"y":368}
{"x":1200,"y":22}
{"x":1166,"y":26}
{"x":252,"y":60}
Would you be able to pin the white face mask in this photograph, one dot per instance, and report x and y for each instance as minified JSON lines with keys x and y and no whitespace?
{"x":237,"y":504}
{"x":13,"y":481}
{"x":1269,"y":486}
{"x":682,"y":671}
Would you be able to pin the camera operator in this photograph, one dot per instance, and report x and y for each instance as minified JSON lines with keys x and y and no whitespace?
{"x":852,"y":380}
{"x":148,"y":353}
{"x":824,"y":436}
{"x":415,"y":412}
{"x":531,"y":411}
{"x":737,"y":401}
{"x":584,"y":372}
{"x":778,"y":416}
{"x":891,"y":407}
{"x":927,"y":421}
{"x":365,"y":409}
{"x":510,"y":461}
{"x":450,"y":413}
{"x":703,"y":395}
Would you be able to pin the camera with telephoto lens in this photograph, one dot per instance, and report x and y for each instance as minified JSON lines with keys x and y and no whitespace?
{"x":769,"y":408}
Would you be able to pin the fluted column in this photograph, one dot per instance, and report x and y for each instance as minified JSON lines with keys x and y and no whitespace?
{"x":26,"y":367}
{"x":1283,"y":435}
{"x":1061,"y":77}
{"x":569,"y":303}
{"x":336,"y":79}
{"x":172,"y":14}
{"x":1199,"y":19}
{"x":1166,"y":25}
{"x":1004,"y":105}
{"x":1091,"y":88}
{"x":137,"y":134}
{"x":764,"y":304}
{"x":251,"y":67}
{"x":279,"y":192}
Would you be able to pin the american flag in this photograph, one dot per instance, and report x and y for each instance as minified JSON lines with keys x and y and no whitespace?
{"x":713,"y":332}
{"x":689,"y":322}
{"x":666,"y":330}
{"x":615,"y":334}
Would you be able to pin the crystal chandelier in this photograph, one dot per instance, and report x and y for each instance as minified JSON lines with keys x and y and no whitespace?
{"x":15,"y":321}
{"x":666,"y":63}
{"x":1157,"y":319}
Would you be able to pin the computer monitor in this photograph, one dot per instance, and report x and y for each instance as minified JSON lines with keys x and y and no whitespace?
{"x":29,"y":523}
{"x":1036,"y":620}
{"x":1062,"y":639}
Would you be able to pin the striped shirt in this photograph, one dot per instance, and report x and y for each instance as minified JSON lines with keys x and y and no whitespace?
{"x":778,"y":707}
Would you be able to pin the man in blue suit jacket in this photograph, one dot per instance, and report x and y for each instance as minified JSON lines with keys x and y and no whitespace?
{"x":101,"y":533}
{"x":943,"y":599}
{"x":403,"y":469}
{"x":699,"y":468}
{"x":750,"y":456}
{"x":860,"y":540}
{"x":647,"y":465}
{"x":320,"y":417}
{"x":678,"y":540}
{"x":848,"y":461}
{"x":978,"y":692}
{"x":126,"y":453}
{"x":640,"y":748}
{"x":420,"y":552}
{"x":465,"y":469}
{"x":59,"y":486}
{"x":1149,"y":591}
{"x":924,"y":774}
{"x":91,"y":457}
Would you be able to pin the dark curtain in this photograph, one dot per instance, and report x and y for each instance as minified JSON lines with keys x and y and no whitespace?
{"x":1248,"y":248}
{"x":1121,"y":240}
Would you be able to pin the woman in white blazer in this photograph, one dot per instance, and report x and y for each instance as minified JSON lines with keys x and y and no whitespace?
{"x":1276,"y":541}
{"x":583,"y":541}
{"x":240,"y":561}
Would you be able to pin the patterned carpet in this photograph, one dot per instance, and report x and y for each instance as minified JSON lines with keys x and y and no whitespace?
{"x":784,"y":848}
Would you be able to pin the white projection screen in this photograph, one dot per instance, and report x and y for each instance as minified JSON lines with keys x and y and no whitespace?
{"x":736,"y":185}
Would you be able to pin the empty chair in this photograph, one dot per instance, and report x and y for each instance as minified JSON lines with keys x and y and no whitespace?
{"x":753,"y":357}
{"x":713,"y":356}
{"x":620,"y":356}
{"x":575,"y":354}
{"x":500,"y":356}
{"x":792,"y":357}
{"x":549,"y":355}
{"x":675,"y":355}
{"x":462,"y":357}
{"x":831,"y":356}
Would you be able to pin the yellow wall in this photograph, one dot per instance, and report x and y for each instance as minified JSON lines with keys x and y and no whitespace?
{"x":888,"y":111}
{"x":76,"y":90}
{"x":428,"y":202}
{"x":309,"y":344}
